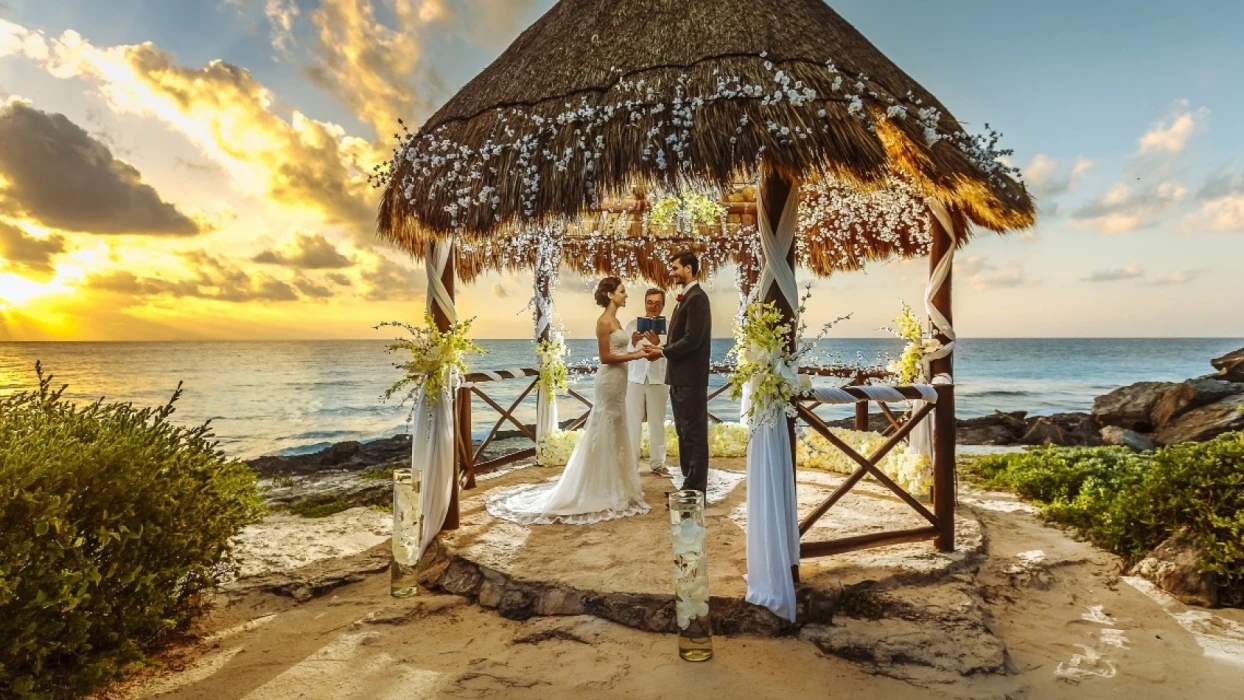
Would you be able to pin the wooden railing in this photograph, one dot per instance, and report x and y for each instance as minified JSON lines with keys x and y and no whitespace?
{"x":941,"y":528}
{"x":469,"y":456}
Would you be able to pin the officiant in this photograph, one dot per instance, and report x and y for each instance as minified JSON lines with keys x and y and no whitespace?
{"x":647,"y":394}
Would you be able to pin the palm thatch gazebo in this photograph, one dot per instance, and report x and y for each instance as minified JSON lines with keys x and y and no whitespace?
{"x":820,"y":150}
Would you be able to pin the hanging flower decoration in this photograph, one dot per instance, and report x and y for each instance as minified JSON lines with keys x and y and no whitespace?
{"x":910,"y":365}
{"x":689,"y":208}
{"x":437,"y":358}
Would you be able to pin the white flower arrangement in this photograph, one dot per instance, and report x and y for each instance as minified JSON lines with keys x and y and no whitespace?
{"x":557,"y":447}
{"x":909,"y":469}
{"x":724,"y":440}
{"x":910,"y":365}
{"x":690,"y":572}
{"x":437,"y":358}
{"x":551,"y":359}
{"x":765,"y":364}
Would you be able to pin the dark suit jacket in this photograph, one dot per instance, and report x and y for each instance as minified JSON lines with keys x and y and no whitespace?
{"x":688,"y":348}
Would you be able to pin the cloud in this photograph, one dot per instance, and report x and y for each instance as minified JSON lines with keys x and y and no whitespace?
{"x":312,"y":289}
{"x":306,"y":253}
{"x":29,"y":252}
{"x":390,"y":281}
{"x":1127,"y":272}
{"x":1219,"y":215}
{"x":212,"y":278}
{"x":1221,"y":205}
{"x":984,"y":275}
{"x":55,"y":173}
{"x":370,"y":67}
{"x":1170,"y":136}
{"x":338,"y":279}
{"x":1124,"y":208}
{"x":299,"y":163}
{"x":1046,"y":177}
{"x":499,"y":291}
{"x":1180,"y":277}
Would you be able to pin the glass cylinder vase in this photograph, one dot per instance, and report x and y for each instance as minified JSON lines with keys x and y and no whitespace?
{"x":407,"y":530}
{"x":695,"y":637}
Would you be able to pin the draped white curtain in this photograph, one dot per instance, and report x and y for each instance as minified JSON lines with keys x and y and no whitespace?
{"x":921,"y":438}
{"x":772,"y":520}
{"x":432,"y":445}
{"x":546,"y":399}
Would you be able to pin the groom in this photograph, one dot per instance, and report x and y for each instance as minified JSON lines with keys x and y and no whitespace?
{"x":687,"y":351}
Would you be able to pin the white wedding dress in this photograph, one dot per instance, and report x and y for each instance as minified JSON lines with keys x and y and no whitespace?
{"x":601,"y":480}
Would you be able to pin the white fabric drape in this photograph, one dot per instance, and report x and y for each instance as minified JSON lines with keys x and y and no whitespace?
{"x":546,"y":400}
{"x":772,"y":521}
{"x":921,"y":439}
{"x":432,"y":444}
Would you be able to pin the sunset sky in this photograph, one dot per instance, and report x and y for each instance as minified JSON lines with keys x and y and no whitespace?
{"x":196,"y":169}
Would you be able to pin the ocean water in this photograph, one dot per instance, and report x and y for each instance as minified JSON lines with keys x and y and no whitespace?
{"x":269,"y":397}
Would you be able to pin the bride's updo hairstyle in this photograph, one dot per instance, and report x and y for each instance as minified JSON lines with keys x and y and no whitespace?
{"x":607,"y":286}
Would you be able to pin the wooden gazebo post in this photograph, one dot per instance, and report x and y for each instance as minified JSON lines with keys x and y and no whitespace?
{"x":942,"y":245}
{"x":775,"y":191}
{"x":444,"y":314}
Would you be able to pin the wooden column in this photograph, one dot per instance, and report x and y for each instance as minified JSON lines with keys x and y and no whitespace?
{"x":442,"y":320}
{"x":775,"y":189}
{"x":942,"y":244}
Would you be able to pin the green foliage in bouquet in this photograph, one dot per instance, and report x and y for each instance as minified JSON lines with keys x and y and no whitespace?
{"x":1129,"y":503}
{"x":434,"y":356}
{"x":113,"y":522}
{"x":760,"y":353}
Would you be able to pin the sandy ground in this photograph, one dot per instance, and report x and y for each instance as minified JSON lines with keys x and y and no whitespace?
{"x":1072,"y":626}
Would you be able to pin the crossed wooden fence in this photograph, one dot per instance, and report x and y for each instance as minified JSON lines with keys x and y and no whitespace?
{"x":941,"y":518}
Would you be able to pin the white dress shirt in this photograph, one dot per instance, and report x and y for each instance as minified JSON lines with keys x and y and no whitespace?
{"x":643,"y":371}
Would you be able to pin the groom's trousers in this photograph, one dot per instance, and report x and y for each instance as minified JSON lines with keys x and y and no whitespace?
{"x":690,"y":404}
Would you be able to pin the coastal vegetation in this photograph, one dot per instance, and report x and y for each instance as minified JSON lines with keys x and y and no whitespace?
{"x":114,"y":523}
{"x":1131,"y":502}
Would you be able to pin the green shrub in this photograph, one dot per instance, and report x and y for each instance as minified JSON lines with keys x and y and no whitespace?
{"x":112,"y":523}
{"x":1129,"y":503}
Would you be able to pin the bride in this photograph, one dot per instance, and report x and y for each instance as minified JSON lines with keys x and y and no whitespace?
{"x":601,"y":480}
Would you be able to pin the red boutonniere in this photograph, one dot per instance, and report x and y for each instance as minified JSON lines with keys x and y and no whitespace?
{"x":678,"y":298}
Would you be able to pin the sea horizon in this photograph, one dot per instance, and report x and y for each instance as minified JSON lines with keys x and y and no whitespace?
{"x":296,"y":396}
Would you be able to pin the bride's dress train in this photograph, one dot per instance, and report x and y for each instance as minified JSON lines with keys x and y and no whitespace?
{"x":601,"y":480}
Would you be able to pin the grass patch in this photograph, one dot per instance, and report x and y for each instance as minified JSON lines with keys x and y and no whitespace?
{"x":320,"y":507}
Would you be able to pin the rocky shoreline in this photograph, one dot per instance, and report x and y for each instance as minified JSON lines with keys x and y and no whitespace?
{"x":1140,"y":416}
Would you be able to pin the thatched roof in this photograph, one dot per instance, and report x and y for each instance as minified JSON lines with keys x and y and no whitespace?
{"x":601,"y":95}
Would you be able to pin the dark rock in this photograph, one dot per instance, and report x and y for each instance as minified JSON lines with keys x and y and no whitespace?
{"x":348,"y":456}
{"x":1118,"y":437}
{"x":1192,"y":394}
{"x":1230,"y":366}
{"x":1130,"y":407}
{"x":651,"y":613}
{"x":1063,"y":429}
{"x":997,"y":429}
{"x":461,"y":578}
{"x":519,"y":601}
{"x":1173,"y":568}
{"x":1204,"y":423}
